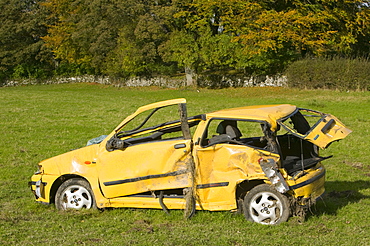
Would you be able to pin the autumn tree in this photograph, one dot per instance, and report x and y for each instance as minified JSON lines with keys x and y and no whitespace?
{"x":148,"y":38}
{"x":274,"y":33}
{"x":148,"y":24}
{"x":83,"y":33}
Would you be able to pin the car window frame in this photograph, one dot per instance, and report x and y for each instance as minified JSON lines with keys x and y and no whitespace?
{"x":263,"y":133}
{"x":295,"y":131}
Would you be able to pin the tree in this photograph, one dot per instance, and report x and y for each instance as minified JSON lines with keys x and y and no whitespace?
{"x":147,"y":26}
{"x":21,"y":48}
{"x":83,"y":32}
{"x":317,"y":27}
{"x":146,"y":38}
{"x":197,"y":43}
{"x":278,"y":32}
{"x":184,"y":50}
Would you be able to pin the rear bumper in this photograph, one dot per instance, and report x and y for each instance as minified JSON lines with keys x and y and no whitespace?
{"x":310,"y":184}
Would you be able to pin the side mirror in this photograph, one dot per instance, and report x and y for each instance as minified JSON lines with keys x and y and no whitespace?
{"x":115,"y":143}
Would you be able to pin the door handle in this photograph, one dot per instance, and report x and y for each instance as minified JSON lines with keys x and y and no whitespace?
{"x":180,"y":146}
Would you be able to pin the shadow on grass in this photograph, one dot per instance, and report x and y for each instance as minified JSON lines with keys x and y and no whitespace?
{"x":339,"y":194}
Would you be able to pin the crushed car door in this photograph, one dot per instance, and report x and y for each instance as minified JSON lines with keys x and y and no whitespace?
{"x":228,"y":153}
{"x":316,"y":127}
{"x":146,"y":158}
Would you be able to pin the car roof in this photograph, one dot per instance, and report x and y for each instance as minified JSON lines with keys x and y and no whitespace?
{"x":269,"y":113}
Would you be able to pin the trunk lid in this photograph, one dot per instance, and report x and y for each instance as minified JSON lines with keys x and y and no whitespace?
{"x":318,"y":128}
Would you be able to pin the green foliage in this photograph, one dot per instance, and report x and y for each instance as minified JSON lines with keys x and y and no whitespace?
{"x":22,"y":25}
{"x":146,"y":25}
{"x":279,"y":31}
{"x":42,"y":121}
{"x":146,"y":38}
{"x":83,"y":32}
{"x":334,"y":73}
{"x":181,"y":48}
{"x":65,"y":68}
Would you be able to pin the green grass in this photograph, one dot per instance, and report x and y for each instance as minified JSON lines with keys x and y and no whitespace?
{"x":38,"y":122}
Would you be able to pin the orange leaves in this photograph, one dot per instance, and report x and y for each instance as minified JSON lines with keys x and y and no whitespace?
{"x":273,"y":30}
{"x":61,"y":29}
{"x":265,"y":26}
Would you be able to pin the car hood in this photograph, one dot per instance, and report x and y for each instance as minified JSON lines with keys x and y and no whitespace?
{"x":73,"y":162}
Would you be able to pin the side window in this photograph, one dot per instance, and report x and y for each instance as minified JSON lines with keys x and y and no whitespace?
{"x":160,"y":132}
{"x":151,"y":125}
{"x":234,"y":132}
{"x":164,"y":131}
{"x":153,"y":122}
{"x":152,"y":118}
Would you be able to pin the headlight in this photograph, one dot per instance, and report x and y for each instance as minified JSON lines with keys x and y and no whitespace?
{"x":40,"y":169}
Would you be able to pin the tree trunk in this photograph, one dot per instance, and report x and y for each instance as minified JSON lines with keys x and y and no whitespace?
{"x":189,"y":74}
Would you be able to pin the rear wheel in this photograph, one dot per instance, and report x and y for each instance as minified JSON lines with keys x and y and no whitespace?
{"x":74,"y":193}
{"x":264,"y":205}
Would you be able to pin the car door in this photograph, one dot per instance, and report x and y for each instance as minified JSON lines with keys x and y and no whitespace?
{"x":224,"y":158}
{"x":316,"y":127}
{"x":152,"y":157}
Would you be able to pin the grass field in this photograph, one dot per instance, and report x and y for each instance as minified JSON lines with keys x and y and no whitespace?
{"x":38,"y":122}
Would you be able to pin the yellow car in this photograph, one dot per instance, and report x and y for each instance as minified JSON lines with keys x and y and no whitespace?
{"x":262,"y":160}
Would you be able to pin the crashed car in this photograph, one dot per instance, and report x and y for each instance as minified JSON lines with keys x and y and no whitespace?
{"x":261,"y":160}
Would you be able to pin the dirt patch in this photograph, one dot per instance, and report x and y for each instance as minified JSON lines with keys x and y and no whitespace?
{"x":141,"y":226}
{"x":359,"y":166}
{"x":322,"y":228}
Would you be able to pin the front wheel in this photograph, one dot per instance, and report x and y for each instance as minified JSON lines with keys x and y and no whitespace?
{"x":264,"y":205}
{"x":74,"y":193}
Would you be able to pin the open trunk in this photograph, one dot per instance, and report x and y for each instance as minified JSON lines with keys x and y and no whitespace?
{"x":306,"y":131}
{"x":298,"y":154}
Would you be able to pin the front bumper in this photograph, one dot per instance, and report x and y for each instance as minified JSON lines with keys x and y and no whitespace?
{"x":37,"y":188}
{"x":40,"y":185}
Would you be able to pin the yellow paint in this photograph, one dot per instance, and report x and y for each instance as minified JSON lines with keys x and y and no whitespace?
{"x":161,"y":164}
{"x":314,"y":189}
{"x":336,"y":132}
{"x":142,"y":161}
{"x":268,"y":113}
{"x":225,"y":163}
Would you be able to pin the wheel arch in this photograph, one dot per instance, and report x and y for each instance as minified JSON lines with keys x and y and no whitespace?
{"x":59,"y":181}
{"x":243,"y":188}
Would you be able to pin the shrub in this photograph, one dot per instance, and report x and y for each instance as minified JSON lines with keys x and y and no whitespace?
{"x":330,"y":73}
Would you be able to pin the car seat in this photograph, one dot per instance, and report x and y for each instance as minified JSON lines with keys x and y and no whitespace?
{"x":230,"y":128}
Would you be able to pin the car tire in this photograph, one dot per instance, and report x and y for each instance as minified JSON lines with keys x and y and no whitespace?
{"x":264,"y":205}
{"x":74,"y":193}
